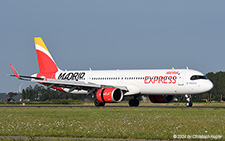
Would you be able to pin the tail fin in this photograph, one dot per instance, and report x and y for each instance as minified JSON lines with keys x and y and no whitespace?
{"x":45,"y":60}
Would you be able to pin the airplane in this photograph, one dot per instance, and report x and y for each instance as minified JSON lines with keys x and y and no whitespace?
{"x":111,"y":86}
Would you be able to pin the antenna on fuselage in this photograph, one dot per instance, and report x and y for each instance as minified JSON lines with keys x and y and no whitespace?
{"x":187,"y":68}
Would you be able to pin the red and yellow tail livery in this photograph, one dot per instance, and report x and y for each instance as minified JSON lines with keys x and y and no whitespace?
{"x":45,"y":60}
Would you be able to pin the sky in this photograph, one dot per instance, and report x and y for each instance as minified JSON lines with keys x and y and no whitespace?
{"x":111,"y":34}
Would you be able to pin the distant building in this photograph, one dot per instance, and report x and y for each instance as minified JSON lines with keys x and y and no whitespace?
{"x":7,"y":97}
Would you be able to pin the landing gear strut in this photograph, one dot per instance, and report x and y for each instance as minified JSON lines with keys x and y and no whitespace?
{"x":188,"y":99}
{"x":134,"y":102}
{"x":98,"y":104}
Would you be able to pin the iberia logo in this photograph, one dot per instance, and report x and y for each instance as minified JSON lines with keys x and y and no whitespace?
{"x":172,"y":72}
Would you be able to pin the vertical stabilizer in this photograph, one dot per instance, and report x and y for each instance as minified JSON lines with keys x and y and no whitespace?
{"x":45,"y":60}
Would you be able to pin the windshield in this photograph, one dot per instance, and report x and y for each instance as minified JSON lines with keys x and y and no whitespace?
{"x":196,"y":77}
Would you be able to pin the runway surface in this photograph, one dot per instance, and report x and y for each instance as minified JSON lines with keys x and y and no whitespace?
{"x":65,"y":138}
{"x":205,"y":107}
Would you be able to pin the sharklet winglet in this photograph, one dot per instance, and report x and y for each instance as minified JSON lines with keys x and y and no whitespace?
{"x":14,"y":71}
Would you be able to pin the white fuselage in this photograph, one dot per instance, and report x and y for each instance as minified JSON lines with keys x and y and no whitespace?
{"x":145,"y":82}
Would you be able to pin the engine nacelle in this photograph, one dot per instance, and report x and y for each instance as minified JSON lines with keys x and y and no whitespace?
{"x":161,"y":98}
{"x":109,"y":95}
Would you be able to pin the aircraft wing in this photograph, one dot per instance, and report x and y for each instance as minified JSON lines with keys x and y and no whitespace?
{"x":27,"y":78}
{"x":75,"y":85}
{"x":68,"y":84}
{"x":71,"y":85}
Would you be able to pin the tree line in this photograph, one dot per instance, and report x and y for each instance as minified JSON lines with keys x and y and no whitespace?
{"x":218,"y":91}
{"x":40,"y":93}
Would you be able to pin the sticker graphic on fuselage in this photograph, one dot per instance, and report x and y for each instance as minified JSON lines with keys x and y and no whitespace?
{"x":160,"y":79}
{"x":172,"y":72}
{"x":71,"y":76}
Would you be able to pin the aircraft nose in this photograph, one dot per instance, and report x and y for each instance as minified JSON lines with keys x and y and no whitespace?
{"x":210,"y":85}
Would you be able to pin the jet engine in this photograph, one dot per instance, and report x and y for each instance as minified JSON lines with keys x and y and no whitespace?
{"x":109,"y":95}
{"x":161,"y":98}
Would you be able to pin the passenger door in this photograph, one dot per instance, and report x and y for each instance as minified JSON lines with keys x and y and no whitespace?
{"x":181,"y":76}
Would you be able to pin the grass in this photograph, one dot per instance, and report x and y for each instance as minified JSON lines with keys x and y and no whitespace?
{"x":179,"y":104}
{"x":128,"y":123}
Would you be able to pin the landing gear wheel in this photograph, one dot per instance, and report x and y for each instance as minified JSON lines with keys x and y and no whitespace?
{"x":189,"y":104}
{"x":134,"y":102}
{"x":188,"y":99}
{"x":98,"y":104}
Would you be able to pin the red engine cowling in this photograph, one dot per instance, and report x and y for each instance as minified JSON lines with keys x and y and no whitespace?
{"x":161,"y":98}
{"x":109,"y":95}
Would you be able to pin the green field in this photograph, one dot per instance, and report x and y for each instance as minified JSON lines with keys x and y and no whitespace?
{"x":109,"y":122}
{"x":125,"y":103}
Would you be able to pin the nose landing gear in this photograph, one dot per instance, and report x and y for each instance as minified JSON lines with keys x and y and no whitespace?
{"x":188,"y":99}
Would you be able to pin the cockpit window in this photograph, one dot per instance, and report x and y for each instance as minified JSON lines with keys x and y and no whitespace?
{"x":196,"y":77}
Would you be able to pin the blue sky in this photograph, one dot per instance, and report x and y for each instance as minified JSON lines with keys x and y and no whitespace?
{"x":115,"y":34}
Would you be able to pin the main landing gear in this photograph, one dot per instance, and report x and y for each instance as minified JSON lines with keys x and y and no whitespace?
{"x":134,"y":102}
{"x":98,"y":104}
{"x":188,"y":99}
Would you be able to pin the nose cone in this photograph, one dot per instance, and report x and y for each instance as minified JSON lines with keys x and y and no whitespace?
{"x":209,"y":85}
